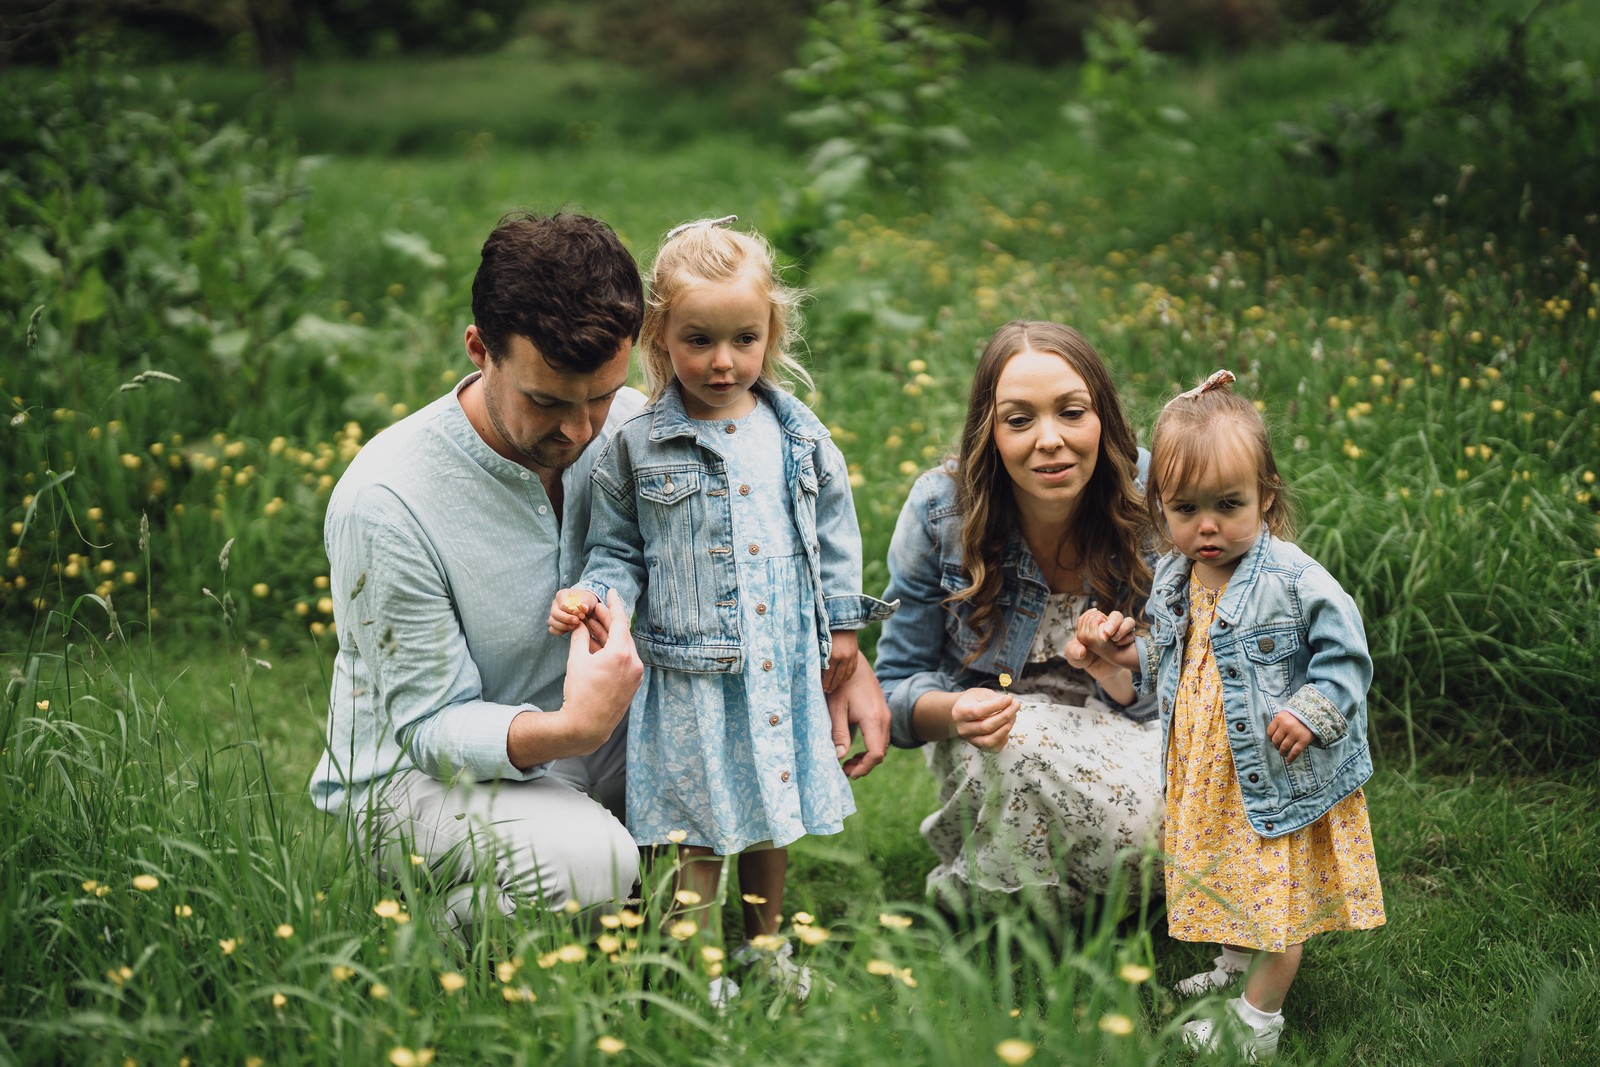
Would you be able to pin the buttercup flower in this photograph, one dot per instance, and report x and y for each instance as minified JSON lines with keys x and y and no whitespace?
{"x":1014,"y":1050}
{"x":146,"y":882}
{"x":610,"y":1045}
{"x":1117,"y":1024}
{"x":451,"y":982}
{"x":894,"y":922}
{"x":284,"y":931}
{"x":1134,"y":973}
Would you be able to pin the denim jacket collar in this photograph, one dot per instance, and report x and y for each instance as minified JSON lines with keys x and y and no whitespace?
{"x":669,"y":419}
{"x":1174,"y":589}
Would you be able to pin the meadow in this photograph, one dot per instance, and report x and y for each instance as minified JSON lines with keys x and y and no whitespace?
{"x":212,"y":302}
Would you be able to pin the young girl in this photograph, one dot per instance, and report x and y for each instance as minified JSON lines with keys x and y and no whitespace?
{"x":1260,"y":662}
{"x":722,"y":515}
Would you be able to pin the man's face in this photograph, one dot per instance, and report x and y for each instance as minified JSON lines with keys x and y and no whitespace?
{"x":542,"y":416}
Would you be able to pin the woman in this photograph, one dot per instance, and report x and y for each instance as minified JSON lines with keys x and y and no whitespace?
{"x":1049,"y":770}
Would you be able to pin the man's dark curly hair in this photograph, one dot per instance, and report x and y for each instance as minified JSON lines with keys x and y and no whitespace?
{"x":562,"y":281}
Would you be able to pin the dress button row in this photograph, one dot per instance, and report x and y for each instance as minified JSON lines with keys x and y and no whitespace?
{"x":766,"y":664}
{"x":774,"y":720}
{"x":730,"y":428}
{"x":755,"y":550}
{"x":744,"y":490}
{"x":761,"y":609}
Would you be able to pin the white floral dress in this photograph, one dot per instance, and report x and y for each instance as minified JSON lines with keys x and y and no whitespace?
{"x":1075,"y":793}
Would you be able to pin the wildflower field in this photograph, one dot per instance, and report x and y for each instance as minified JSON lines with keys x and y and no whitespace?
{"x":210,"y":307}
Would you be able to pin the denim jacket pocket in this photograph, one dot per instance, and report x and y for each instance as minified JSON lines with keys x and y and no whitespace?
{"x":669,"y":514}
{"x":1272,"y":653}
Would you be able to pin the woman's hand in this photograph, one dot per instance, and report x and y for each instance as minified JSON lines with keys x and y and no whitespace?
{"x":1289,"y":734}
{"x":983,"y":718}
{"x":842,"y":657}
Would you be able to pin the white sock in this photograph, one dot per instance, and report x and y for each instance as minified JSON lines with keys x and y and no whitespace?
{"x":1254,"y":1015}
{"x":1234,"y":960}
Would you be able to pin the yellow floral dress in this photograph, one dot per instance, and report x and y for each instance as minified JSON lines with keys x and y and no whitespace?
{"x":1225,"y":882}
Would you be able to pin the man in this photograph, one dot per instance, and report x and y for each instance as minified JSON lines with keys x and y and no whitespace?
{"x":459,"y":730}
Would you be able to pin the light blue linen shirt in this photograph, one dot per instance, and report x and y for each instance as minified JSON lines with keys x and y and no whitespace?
{"x":444,"y":559}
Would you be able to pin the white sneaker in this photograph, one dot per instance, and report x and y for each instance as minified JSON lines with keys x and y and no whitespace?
{"x":777,"y":966}
{"x":723,"y":992}
{"x":1256,"y":1042}
{"x":1223,"y":975}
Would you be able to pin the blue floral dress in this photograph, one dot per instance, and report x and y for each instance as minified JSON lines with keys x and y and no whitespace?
{"x":734,"y":760}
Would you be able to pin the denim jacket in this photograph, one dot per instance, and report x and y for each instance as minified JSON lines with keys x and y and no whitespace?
{"x":928,"y":644}
{"x":661,"y":534}
{"x":1286,"y":637}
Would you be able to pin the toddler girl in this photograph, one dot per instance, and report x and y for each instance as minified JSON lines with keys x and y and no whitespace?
{"x":1260,"y":662}
{"x":722,"y":515}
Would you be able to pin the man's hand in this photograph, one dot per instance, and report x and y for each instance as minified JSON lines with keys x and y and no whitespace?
{"x":857,"y":701}
{"x":983,"y":718}
{"x":1289,"y":735}
{"x":601,"y":678}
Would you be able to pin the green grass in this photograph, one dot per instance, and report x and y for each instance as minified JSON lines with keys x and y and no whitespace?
{"x":1432,"y":371}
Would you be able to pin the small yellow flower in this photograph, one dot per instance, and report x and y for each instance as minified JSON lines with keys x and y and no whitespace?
{"x":227,"y":945}
{"x":386,"y":909}
{"x":880,"y":967}
{"x":677,"y":836}
{"x":683,"y":929}
{"x":916,"y":366}
{"x":610,"y":922}
{"x":400,"y":1056}
{"x":341,"y":973}
{"x":894,"y":922}
{"x":506,"y":970}
{"x":146,"y":882}
{"x":452,"y":982}
{"x":1014,"y":1050}
{"x":571,"y":907}
{"x":418,"y":861}
{"x":42,"y":705}
{"x":284,"y":931}
{"x":687,"y":897}
{"x":608,"y":944}
{"x":279,"y":1000}
{"x":610,"y":1045}
{"x":1117,"y":1024}
{"x":1134,"y":973}
{"x":182,"y":911}
{"x":90,"y":886}
{"x":803,"y":918}
{"x":712,"y":954}
{"x":1005,"y":680}
{"x":812,"y":935}
{"x":521,"y":994}
{"x":630,"y":919}
{"x":1015,"y":1013}
{"x":753,"y":898}
{"x":572,"y":953}
{"x":378,"y":991}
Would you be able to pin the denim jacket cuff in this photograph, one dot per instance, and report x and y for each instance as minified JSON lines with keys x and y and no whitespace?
{"x":1144,"y":675}
{"x":854,"y":610}
{"x":1319,"y":714}
{"x":599,"y":589}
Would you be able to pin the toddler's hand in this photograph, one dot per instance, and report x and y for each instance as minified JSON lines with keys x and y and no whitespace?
{"x":841,"y":660}
{"x":1289,"y":734}
{"x":570,"y":608}
{"x":1102,"y":637}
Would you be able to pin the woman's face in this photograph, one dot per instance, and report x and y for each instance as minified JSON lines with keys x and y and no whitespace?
{"x":1046,"y":430}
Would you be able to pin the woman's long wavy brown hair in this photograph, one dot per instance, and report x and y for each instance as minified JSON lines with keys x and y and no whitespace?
{"x":1112,"y":524}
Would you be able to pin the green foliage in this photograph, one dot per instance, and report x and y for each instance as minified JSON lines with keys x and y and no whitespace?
{"x":382,"y":27}
{"x":883,"y":115}
{"x":1113,"y":82}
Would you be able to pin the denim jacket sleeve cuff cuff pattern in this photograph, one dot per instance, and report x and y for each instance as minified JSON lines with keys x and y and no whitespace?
{"x":1319,"y":714}
{"x":854,"y":610}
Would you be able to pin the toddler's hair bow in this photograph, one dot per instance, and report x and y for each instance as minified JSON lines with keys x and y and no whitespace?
{"x":726,"y":220}
{"x":1218,"y":379}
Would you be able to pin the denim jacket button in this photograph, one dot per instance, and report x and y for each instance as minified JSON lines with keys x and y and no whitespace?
{"x":774,"y":720}
{"x":755,"y":549}
{"x":1269,"y":825}
{"x":1254,"y":777}
{"x":1232,"y":673}
{"x":730,"y":428}
{"x":1239,"y":726}
{"x":761,"y":609}
{"x":1222,"y":624}
{"x":1266,"y":644}
{"x":744,"y":490}
{"x":784,"y":776}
